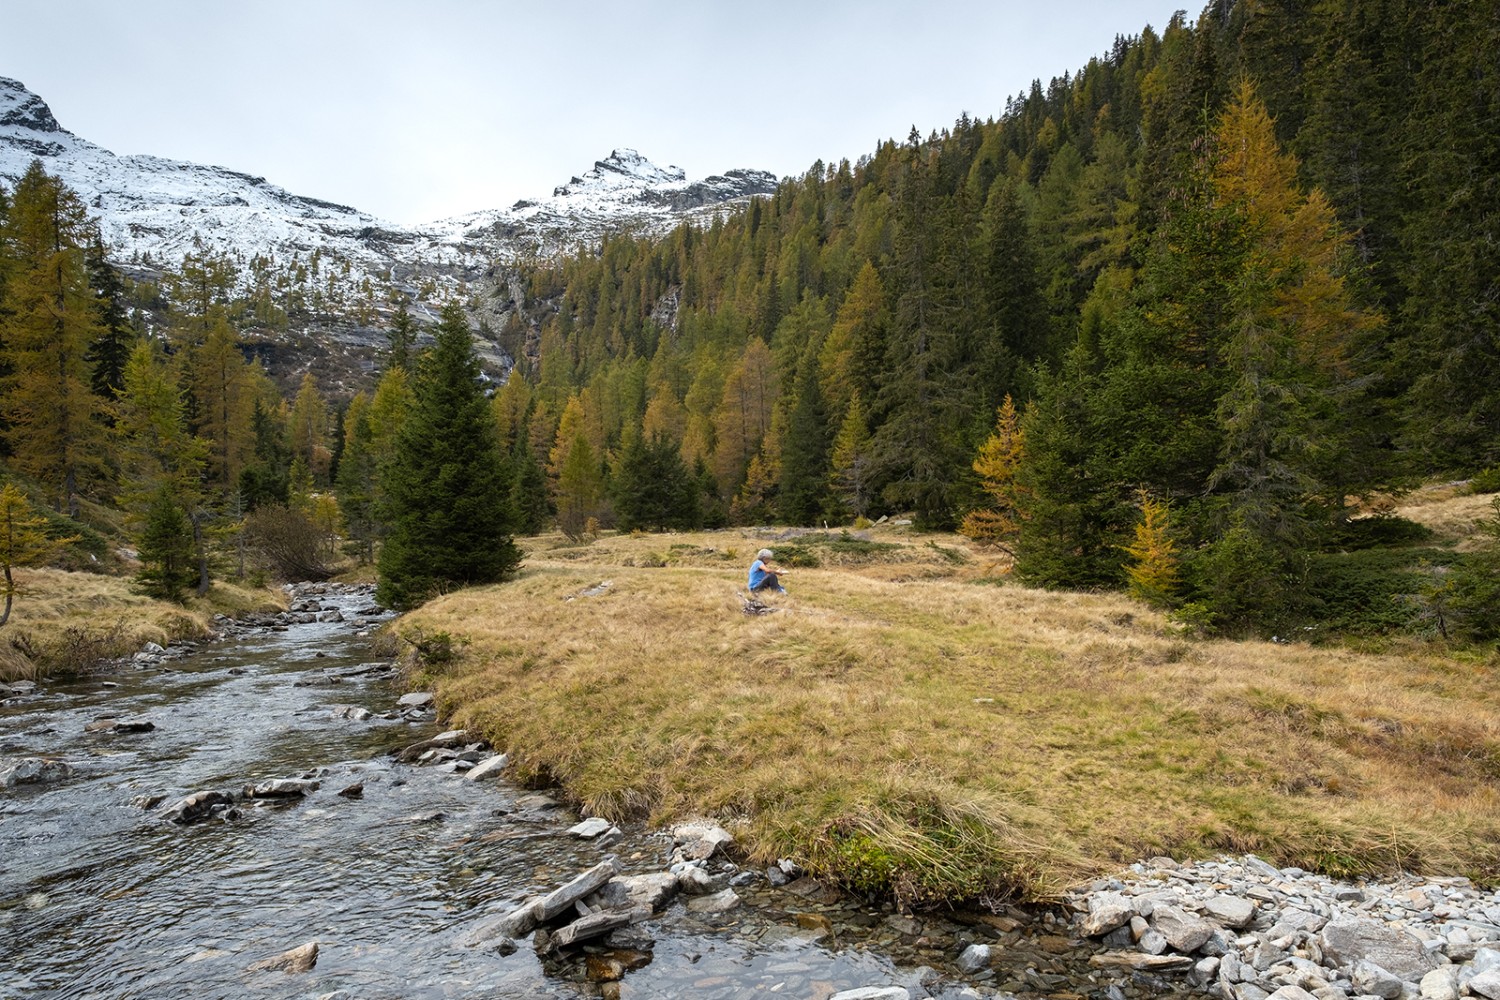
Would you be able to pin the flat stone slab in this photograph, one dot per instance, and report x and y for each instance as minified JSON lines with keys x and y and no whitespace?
{"x":488,"y":768}
{"x":590,"y":828}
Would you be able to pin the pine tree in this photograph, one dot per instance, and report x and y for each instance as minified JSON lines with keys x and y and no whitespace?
{"x":402,"y":335}
{"x":445,"y":492}
{"x":802,"y":493}
{"x":110,"y":351}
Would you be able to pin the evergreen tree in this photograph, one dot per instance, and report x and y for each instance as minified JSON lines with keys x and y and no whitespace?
{"x":445,"y":491}
{"x":802,"y":494}
{"x":110,"y":350}
{"x":24,"y":541}
{"x":653,"y":488}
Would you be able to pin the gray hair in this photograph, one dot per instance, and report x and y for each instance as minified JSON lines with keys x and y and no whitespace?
{"x":765,"y":554}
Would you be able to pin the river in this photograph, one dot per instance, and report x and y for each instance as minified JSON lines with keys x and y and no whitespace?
{"x":101,"y":896}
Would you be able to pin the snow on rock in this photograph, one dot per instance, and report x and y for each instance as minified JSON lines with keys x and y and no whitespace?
{"x":152,"y":210}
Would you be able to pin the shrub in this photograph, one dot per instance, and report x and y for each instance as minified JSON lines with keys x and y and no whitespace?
{"x":294,"y":547}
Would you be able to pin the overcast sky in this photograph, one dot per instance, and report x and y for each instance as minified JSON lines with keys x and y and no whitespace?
{"x":415,"y":111}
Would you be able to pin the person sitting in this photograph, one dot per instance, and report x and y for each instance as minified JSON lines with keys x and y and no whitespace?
{"x":763,"y":576}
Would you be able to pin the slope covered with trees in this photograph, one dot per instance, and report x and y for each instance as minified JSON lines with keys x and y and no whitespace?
{"x":1240,"y":270}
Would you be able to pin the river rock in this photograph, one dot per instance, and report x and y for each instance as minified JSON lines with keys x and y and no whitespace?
{"x":1107,"y":911}
{"x":1349,"y":940}
{"x":197,"y":806}
{"x":700,"y":841}
{"x":693,"y":879}
{"x":652,"y":891}
{"x":488,"y":768}
{"x":133,"y":725}
{"x":330,"y":616}
{"x":1291,"y":993}
{"x":874,"y":992}
{"x":586,"y":928}
{"x":416,"y":699}
{"x":300,"y":959}
{"x":354,"y":791}
{"x":590,"y":828}
{"x":719,"y":902}
{"x":442,"y":741}
{"x":1140,"y":962}
{"x":1229,"y":911}
{"x":1184,"y":932}
{"x":1371,"y":980}
{"x":555,"y":903}
{"x":1441,"y":983}
{"x":1486,"y":984}
{"x":974,"y":958}
{"x":352,"y":712}
{"x":281,"y":788}
{"x":34,"y":771}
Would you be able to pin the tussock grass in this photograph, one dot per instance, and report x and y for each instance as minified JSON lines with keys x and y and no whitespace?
{"x":944,"y":737}
{"x":64,"y":622}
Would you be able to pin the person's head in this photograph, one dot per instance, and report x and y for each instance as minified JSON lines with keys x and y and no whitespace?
{"x":765,"y":554}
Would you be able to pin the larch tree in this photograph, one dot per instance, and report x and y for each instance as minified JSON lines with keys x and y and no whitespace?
{"x":54,"y":421}
{"x":23,"y":541}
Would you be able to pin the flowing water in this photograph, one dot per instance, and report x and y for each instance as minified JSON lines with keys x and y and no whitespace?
{"x":101,"y":896}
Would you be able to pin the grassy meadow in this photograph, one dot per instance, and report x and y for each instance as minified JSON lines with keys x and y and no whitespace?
{"x":909,"y":720}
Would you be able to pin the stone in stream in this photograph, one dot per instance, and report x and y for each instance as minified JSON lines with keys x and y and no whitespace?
{"x":701,"y":840}
{"x":651,"y":891}
{"x":584,"y":929}
{"x":416,"y":699}
{"x":281,"y":788}
{"x":442,"y":741}
{"x":874,"y":993}
{"x":352,"y":712}
{"x":974,"y":958}
{"x":354,"y":791}
{"x":488,"y":768}
{"x":590,"y":828}
{"x":34,"y":771}
{"x":719,"y":902}
{"x":299,"y":959}
{"x":112,"y":725}
{"x":197,"y":806}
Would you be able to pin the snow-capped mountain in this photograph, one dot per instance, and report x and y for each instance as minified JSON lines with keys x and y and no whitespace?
{"x":624,"y":190}
{"x":152,"y":210}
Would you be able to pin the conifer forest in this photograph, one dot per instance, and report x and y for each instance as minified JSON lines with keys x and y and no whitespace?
{"x":1180,"y":321}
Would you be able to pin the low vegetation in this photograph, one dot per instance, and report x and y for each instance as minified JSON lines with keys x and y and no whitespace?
{"x":910,"y":721}
{"x":65,"y":622}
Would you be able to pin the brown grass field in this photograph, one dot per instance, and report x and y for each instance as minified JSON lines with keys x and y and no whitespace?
{"x":908,"y":720}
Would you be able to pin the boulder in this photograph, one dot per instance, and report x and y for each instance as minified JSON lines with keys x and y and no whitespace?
{"x":300,"y":959}
{"x":34,"y":771}
{"x":1229,"y":911}
{"x":974,"y":958}
{"x":588,"y":927}
{"x":1486,"y":984}
{"x":1347,"y":941}
{"x":1185,"y":932}
{"x":701,"y":841}
{"x":1107,"y":911}
{"x":1371,"y":980}
{"x":1441,"y":983}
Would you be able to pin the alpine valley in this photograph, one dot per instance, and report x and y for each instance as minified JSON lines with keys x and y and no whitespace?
{"x":339,"y":268}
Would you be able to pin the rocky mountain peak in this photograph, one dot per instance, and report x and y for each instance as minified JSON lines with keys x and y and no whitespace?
{"x":20,"y":108}
{"x":621,"y":168}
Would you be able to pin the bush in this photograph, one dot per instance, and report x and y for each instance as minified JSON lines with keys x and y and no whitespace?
{"x":1487,"y":481}
{"x":293,"y":546}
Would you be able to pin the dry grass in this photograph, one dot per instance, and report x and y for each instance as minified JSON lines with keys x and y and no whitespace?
{"x":64,"y":622}
{"x":1451,"y":511}
{"x":944,"y":737}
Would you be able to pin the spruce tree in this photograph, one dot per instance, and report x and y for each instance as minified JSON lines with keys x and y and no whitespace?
{"x":445,"y":490}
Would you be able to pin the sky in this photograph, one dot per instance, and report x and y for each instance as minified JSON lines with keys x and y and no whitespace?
{"x":420,"y":111}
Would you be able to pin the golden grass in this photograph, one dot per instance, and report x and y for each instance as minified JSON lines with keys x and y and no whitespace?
{"x":63,"y":621}
{"x":945,"y":737}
